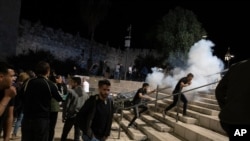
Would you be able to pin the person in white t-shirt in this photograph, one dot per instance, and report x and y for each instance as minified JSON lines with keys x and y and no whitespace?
{"x":85,"y":85}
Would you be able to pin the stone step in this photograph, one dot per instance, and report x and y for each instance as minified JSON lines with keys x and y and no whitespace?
{"x":114,"y":133}
{"x":209,"y":122}
{"x":185,"y":119}
{"x":172,"y":113}
{"x":156,"y":124}
{"x":208,"y":100}
{"x":203,"y":110}
{"x":155,"y":109}
{"x":191,"y":132}
{"x":152,"y":134}
{"x":162,"y":104}
{"x":133,"y":133}
{"x":200,"y":118}
{"x":200,"y":109}
{"x":208,"y":95}
{"x":206,"y":105}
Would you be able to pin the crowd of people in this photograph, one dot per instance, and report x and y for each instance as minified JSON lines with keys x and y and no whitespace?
{"x":119,"y":71}
{"x":33,"y":100}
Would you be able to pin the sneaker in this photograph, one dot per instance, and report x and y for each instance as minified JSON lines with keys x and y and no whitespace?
{"x":163,"y":114}
{"x":131,"y":126}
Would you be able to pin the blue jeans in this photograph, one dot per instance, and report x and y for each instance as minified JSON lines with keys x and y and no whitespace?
{"x":117,"y":75}
{"x":86,"y":138}
{"x":18,"y":123}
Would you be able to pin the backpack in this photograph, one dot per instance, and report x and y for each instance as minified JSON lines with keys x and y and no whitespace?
{"x":81,"y":118}
{"x":84,"y":120}
{"x":18,"y":106}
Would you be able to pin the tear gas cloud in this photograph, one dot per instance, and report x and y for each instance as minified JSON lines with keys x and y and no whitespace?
{"x":201,"y":62}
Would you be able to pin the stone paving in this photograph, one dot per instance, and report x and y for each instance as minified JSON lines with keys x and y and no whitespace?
{"x":59,"y":127}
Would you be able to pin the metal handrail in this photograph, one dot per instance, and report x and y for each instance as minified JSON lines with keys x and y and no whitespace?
{"x":120,"y":108}
{"x":139,"y":104}
{"x":225,"y":70}
{"x":122,"y":100}
{"x":126,"y":99}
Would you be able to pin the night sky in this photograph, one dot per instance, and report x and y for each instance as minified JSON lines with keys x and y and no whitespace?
{"x":226,"y":22}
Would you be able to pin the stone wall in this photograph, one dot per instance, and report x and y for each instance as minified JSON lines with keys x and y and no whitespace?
{"x":117,"y":86}
{"x":64,"y":45}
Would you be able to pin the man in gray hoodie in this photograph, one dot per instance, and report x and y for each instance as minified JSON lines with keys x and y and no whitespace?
{"x":74,"y":101}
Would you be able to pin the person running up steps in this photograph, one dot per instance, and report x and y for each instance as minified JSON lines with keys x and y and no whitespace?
{"x":183,"y":82}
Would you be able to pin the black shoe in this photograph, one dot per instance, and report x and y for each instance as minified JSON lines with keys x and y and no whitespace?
{"x":131,"y":126}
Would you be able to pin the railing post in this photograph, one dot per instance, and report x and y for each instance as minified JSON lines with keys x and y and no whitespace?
{"x":119,"y":131}
{"x":156,"y":98}
{"x":178,"y":106}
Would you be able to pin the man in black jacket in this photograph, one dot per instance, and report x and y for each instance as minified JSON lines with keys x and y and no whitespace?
{"x":36,"y":97}
{"x":95,"y":117}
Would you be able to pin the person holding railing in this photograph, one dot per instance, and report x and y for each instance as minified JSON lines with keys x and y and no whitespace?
{"x":183,"y":82}
{"x":140,"y":94}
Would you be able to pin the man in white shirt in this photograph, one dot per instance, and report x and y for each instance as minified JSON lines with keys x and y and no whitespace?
{"x":85,"y":85}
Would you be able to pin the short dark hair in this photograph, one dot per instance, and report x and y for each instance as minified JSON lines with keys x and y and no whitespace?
{"x":58,"y":76}
{"x":4,"y":67}
{"x":145,"y":85}
{"x":52,"y":78}
{"x":190,"y":75}
{"x":103,"y":82}
{"x":42,"y":68}
{"x":77,"y":80}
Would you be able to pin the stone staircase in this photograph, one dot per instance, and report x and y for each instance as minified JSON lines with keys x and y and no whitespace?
{"x":200,"y":124}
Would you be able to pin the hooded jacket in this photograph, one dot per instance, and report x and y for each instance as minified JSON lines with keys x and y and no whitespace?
{"x":74,"y":101}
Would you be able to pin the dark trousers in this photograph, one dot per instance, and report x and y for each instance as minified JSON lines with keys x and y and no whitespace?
{"x":67,"y":127}
{"x":234,"y":131}
{"x":52,"y":125}
{"x":35,"y":129}
{"x":136,"y":114}
{"x":183,"y":99}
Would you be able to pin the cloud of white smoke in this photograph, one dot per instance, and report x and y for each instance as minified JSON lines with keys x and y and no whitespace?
{"x":201,"y":62}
